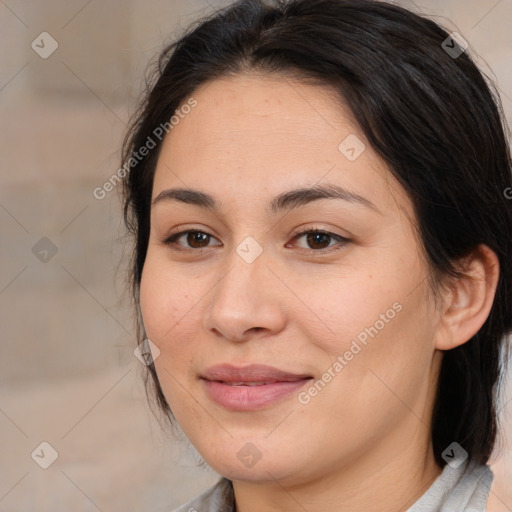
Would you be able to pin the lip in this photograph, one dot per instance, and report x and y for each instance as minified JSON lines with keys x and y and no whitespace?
{"x":229,"y":386}
{"x":250,"y":373}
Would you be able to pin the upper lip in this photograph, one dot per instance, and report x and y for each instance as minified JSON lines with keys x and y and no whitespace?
{"x":251,"y":373}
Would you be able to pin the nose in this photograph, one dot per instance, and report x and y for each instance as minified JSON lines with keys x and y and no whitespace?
{"x":247,"y":299}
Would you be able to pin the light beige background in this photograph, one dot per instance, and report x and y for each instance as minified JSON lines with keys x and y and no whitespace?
{"x":68,"y":375}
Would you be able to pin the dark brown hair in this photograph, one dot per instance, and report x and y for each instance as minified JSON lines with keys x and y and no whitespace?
{"x":430,"y":115}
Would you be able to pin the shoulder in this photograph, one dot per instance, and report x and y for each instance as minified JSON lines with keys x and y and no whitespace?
{"x":218,"y":498}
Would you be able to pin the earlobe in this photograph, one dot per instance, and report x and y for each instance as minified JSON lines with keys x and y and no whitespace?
{"x":468,"y":301}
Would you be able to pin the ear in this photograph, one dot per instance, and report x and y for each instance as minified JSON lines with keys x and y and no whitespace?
{"x":468,"y":301}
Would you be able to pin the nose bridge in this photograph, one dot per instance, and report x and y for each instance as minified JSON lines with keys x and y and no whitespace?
{"x":246,"y":275}
{"x":242,"y":299}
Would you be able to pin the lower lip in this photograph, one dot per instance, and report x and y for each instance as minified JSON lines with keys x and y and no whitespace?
{"x":248,"y":398}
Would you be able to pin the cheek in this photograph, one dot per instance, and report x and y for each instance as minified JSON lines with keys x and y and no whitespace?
{"x":386,"y":356}
{"x":154,"y":305}
{"x":378,"y":321}
{"x":171,"y":311}
{"x":359,"y":303}
{"x":167,"y":312}
{"x":163,"y":299}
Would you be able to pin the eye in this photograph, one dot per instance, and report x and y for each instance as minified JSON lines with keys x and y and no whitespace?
{"x":195,"y":239}
{"x":319,"y":237}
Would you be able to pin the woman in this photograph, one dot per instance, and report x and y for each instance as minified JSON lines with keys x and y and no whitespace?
{"x":317,"y":194}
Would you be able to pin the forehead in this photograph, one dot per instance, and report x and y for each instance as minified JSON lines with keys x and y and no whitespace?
{"x":256,"y":135}
{"x":237,"y":115}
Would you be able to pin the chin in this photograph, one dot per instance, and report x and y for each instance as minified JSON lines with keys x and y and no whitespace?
{"x":253,"y":462}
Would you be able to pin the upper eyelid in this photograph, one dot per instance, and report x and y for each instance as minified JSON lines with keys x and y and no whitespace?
{"x":186,"y":230}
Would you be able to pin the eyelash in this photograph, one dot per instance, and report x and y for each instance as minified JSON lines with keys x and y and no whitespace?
{"x":171,"y":240}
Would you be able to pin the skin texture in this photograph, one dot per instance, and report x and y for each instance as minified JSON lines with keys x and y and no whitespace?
{"x":363,"y":442}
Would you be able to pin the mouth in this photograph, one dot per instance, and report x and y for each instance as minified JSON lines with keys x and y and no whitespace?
{"x":251,"y":387}
{"x":252,"y":374}
{"x":247,"y":383}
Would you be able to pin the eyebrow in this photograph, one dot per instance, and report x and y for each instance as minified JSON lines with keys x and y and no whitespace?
{"x":285,"y":201}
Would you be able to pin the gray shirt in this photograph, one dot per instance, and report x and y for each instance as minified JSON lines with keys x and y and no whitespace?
{"x":462,"y":489}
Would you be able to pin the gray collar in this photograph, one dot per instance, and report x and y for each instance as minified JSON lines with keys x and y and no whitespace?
{"x":464,"y":488}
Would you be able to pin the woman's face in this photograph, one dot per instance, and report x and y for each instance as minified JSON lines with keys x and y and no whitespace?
{"x":344,"y":326}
